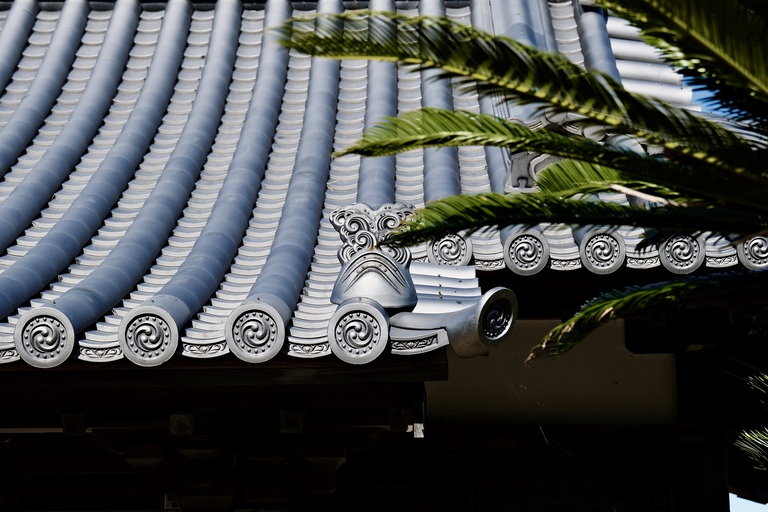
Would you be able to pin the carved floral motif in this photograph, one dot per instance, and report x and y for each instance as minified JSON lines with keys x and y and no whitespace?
{"x":489,"y":264}
{"x":302,"y":350}
{"x":411,"y":345}
{"x":208,"y":350}
{"x":643,"y":262}
{"x":9,"y":355}
{"x":565,"y":264}
{"x":722,"y":261}
{"x":100,"y":353}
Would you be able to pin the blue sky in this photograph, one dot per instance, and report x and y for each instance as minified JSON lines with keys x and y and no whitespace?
{"x":740,"y":505}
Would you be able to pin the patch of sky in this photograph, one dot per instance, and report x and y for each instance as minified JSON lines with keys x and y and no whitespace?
{"x":742,"y":505}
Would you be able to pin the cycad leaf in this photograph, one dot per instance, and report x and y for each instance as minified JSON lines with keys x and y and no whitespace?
{"x":632,"y":301}
{"x":720,"y":44}
{"x":568,"y":178}
{"x":759,"y":383}
{"x":755,"y":444}
{"x":471,"y":213}
{"x":511,"y":70}
{"x":435,"y":127}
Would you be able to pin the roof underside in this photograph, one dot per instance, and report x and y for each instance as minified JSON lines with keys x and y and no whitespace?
{"x":166,"y":167}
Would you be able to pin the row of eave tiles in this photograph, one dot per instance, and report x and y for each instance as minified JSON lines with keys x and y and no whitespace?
{"x":203,"y":337}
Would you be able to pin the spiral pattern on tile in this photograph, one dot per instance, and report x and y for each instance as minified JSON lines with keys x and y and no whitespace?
{"x":357,"y":332}
{"x":526,"y":252}
{"x":753,"y":253}
{"x":681,"y":254}
{"x":255,"y":332}
{"x":148,"y":336}
{"x":450,"y":250}
{"x":497,"y":319}
{"x":603,"y":251}
{"x":44,"y":337}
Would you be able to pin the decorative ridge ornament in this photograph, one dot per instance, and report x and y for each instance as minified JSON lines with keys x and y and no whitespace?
{"x":379,"y":273}
{"x":361,"y":229}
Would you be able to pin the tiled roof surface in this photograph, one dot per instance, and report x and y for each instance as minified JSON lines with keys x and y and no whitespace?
{"x":167,"y":187}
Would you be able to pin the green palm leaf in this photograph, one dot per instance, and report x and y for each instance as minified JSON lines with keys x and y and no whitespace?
{"x":720,"y":44}
{"x":759,"y":383}
{"x":632,"y":301}
{"x":505,"y":68}
{"x":472,"y":213}
{"x":570,"y":178}
{"x":755,"y":444}
{"x":428,"y":127}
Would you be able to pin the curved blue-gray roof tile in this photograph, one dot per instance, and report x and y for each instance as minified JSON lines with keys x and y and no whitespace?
{"x":168,"y":186}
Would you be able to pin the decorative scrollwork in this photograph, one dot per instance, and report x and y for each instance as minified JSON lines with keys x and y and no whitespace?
{"x":44,"y":339}
{"x":357,"y":241}
{"x":390,"y":216}
{"x":362,"y":228}
{"x":401,"y":255}
{"x":147,"y":337}
{"x":753,"y":253}
{"x":526,"y":253}
{"x":602,"y":253}
{"x":351,"y":219}
{"x":358,"y":331}
{"x":682,"y":254}
{"x":453,"y":250}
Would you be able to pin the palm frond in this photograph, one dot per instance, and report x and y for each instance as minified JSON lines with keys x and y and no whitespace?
{"x":471,"y":213}
{"x":427,"y":127}
{"x":631,"y":301}
{"x":568,"y":178}
{"x":759,"y":383}
{"x":503,"y":67}
{"x":755,"y":444}
{"x":721,"y":45}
